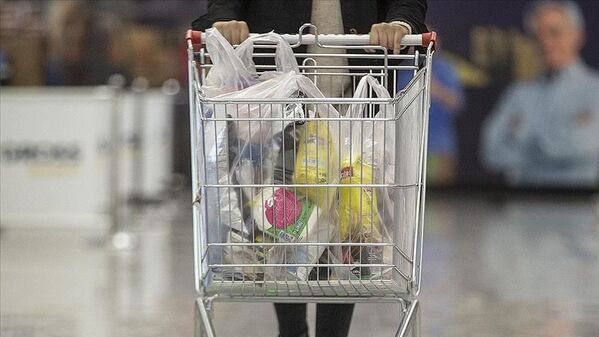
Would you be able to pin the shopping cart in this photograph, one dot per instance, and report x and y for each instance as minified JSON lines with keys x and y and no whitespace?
{"x":230,"y":264}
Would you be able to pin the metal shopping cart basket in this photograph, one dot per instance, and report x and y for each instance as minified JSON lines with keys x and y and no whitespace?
{"x":238,"y":257}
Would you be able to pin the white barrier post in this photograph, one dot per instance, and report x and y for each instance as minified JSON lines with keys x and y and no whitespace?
{"x":139,"y":87}
{"x":119,"y":237}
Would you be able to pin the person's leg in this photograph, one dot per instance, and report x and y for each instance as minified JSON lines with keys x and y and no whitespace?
{"x":292,"y":319}
{"x":333,"y":320}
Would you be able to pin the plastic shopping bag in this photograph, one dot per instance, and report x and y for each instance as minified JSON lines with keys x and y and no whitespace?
{"x":233,"y":149}
{"x":228,"y":72}
{"x":317,"y":160}
{"x":316,"y":156}
{"x":233,"y":69}
{"x":238,"y":65}
{"x":247,"y":117}
{"x":285,"y":60}
{"x":233,"y":77}
{"x":250,"y":151}
{"x":368,"y":159}
{"x":291,"y":214}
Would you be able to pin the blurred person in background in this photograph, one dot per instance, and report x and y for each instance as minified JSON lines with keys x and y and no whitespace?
{"x":80,"y":49}
{"x":545,"y":132}
{"x":447,"y":99}
{"x":387,"y":21}
{"x":69,"y":26}
{"x":5,"y":68}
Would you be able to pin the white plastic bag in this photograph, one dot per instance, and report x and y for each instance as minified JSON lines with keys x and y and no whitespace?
{"x":368,"y":158}
{"x":251,"y":150}
{"x":254,"y":131}
{"x":306,"y":220}
{"x":285,"y":60}
{"x":247,"y":116}
{"x":233,"y":69}
{"x":228,"y":72}
{"x":377,"y":133}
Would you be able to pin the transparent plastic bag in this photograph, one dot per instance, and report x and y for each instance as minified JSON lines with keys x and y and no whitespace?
{"x":251,"y":149}
{"x":289,"y":214}
{"x":285,"y":60}
{"x":292,"y":214}
{"x":368,"y":159}
{"x":316,"y":156}
{"x":234,"y":76}
{"x":233,"y":69}
{"x":249,"y":126}
{"x":223,"y":207}
{"x":231,"y":157}
{"x":228,"y":72}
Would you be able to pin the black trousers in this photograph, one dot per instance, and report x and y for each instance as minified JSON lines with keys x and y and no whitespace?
{"x":332,"y":320}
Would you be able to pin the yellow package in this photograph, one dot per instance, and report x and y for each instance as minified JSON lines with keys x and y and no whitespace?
{"x":358,"y":211}
{"x":315,"y":163}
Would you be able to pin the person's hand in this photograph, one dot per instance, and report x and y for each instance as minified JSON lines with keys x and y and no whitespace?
{"x":388,"y":35}
{"x":234,"y":31}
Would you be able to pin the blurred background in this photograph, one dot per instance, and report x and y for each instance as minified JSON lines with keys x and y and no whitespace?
{"x":94,"y":147}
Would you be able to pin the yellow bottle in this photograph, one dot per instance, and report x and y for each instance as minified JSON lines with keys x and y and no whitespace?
{"x":315,"y":163}
{"x":358,"y":211}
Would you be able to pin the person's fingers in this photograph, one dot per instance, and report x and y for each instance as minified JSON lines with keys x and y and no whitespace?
{"x":374,"y":35}
{"x":224,"y":27}
{"x":399,"y":34}
{"x":387,"y":35}
{"x":245,"y":31}
{"x":226,"y":31}
{"x":239,"y":31}
{"x":220,"y":26}
{"x":235,"y":33}
{"x":390,"y":36}
{"x":229,"y":34}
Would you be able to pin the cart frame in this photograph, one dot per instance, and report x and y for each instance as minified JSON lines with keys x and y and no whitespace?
{"x":407,"y":262}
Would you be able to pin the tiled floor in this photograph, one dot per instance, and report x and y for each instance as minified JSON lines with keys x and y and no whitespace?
{"x":522,"y":267}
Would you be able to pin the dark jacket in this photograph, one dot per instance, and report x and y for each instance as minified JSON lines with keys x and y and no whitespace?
{"x":286,"y":16}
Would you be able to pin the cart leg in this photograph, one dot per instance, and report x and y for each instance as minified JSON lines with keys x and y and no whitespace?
{"x":416,"y":326}
{"x":203,"y":318}
{"x":198,"y":330}
{"x":410,"y":320}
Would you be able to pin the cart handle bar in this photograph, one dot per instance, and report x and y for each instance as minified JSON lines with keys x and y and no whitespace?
{"x":198,"y":37}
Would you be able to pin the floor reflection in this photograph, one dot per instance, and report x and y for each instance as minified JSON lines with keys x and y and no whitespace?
{"x":511,"y":268}
{"x":525,"y":267}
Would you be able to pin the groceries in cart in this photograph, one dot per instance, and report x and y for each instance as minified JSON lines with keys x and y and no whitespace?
{"x":272,"y":170}
{"x":316,"y":162}
{"x":367,"y":162}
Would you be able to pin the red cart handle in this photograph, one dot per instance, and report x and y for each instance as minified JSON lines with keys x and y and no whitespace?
{"x":194,"y":36}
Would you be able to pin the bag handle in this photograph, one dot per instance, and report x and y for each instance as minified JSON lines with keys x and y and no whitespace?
{"x":234,"y":68}
{"x":370,"y":137}
{"x":228,"y":69}
{"x":284,"y":57}
{"x":366,"y":82}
